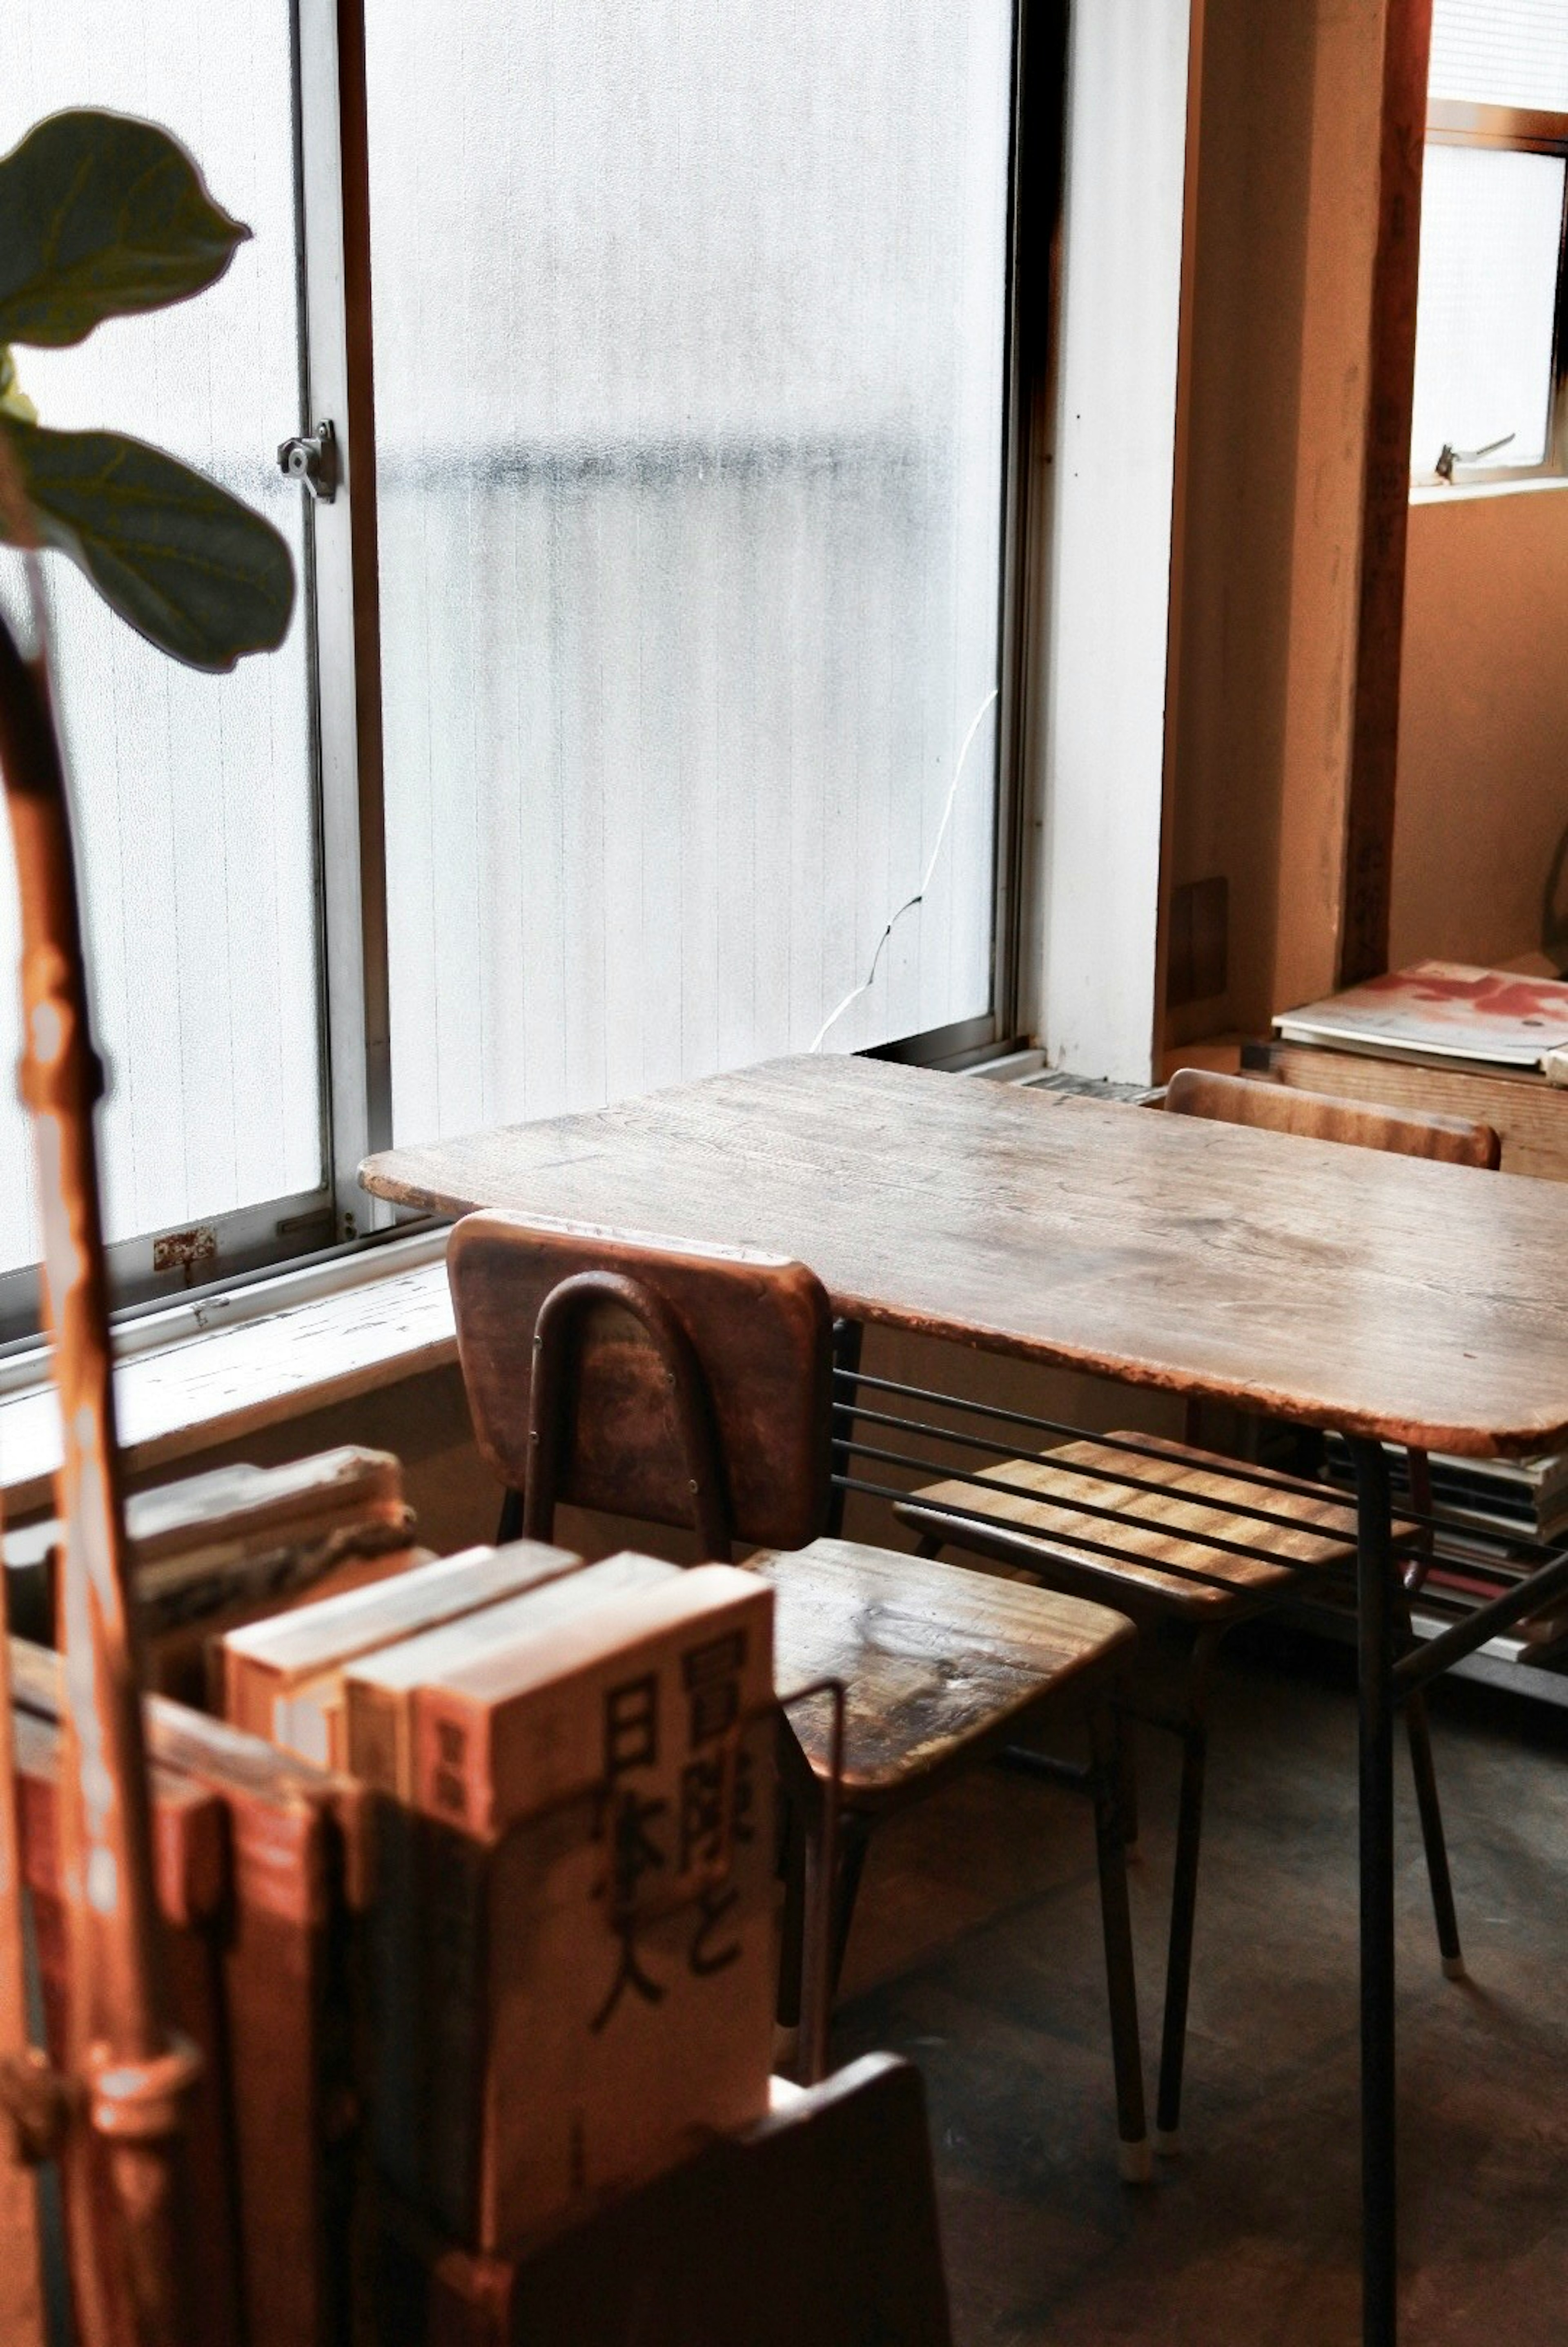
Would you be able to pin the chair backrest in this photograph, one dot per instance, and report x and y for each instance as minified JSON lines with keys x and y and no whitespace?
{"x":605,"y":1371}
{"x":1316,"y":1116}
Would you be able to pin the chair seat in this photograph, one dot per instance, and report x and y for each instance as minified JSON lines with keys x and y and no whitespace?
{"x":1165,"y":1563}
{"x":936,"y":1658}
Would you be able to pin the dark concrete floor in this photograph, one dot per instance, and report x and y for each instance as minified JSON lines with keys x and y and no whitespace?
{"x":976,"y":1952}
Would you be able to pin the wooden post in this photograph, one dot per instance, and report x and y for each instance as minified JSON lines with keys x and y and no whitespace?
{"x":1386,"y":495}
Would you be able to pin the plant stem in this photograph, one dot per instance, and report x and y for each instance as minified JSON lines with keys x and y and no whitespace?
{"x":123,"y":2171}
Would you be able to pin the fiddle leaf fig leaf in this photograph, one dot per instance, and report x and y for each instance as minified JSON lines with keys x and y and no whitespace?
{"x":100,"y":216}
{"x":191,"y":567}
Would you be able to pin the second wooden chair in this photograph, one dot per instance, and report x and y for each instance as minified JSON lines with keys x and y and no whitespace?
{"x":1169,"y":1534}
{"x":683,"y":1386}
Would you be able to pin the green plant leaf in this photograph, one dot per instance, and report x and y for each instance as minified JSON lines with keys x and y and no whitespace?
{"x":191,"y":567}
{"x":101,"y":216}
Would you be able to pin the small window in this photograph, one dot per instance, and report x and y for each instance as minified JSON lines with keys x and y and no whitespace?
{"x":1490,"y":346}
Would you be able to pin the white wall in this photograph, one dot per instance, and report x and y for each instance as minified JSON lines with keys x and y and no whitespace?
{"x":1100,"y":750}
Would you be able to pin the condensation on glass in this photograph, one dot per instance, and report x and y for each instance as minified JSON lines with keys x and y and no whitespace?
{"x":193,"y":794}
{"x":1501,"y":53}
{"x":689,"y":347}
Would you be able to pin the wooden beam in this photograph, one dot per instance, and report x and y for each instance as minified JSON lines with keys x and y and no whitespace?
{"x":1385,"y":496}
{"x":1186,"y":330}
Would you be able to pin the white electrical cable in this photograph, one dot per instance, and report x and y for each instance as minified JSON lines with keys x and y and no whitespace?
{"x":911,"y":902}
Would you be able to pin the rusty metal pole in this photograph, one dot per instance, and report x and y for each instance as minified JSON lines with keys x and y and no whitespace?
{"x":124,"y":2168}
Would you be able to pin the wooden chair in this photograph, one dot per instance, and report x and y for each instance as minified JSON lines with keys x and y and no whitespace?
{"x":1258,"y":1101}
{"x":1059,"y":1520}
{"x":688,"y":1387}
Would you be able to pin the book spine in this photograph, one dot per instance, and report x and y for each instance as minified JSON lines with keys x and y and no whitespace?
{"x":297,"y":1852}
{"x":196,"y":1981}
{"x":394,"y":1928}
{"x":451,"y":1759}
{"x":455,"y":1910}
{"x":191,"y":1939}
{"x":274,"y":1967}
{"x":249,"y":1689}
{"x":377,"y":1735}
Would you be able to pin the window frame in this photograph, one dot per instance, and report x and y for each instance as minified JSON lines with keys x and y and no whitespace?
{"x":339,"y":607}
{"x":1035,"y":185}
{"x":1521,"y":130}
{"x":335,"y":182}
{"x":164,"y":1264}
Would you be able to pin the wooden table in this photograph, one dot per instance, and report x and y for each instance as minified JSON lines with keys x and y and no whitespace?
{"x":1386,"y":1297}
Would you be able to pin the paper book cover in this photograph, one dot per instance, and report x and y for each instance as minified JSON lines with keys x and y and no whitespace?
{"x":537,"y":1719}
{"x":241,"y":1542}
{"x":1443,"y":1011}
{"x":239,"y":1536}
{"x":637,"y":2031}
{"x":226,"y":1509}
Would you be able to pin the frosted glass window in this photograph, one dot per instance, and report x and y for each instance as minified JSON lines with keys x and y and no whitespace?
{"x":689,"y":347}
{"x":193,"y":794}
{"x":1491,"y":224}
{"x":1501,"y":53}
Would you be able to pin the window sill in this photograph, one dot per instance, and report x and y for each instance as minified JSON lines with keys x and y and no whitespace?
{"x":190,"y":1384}
{"x":1442,"y":493}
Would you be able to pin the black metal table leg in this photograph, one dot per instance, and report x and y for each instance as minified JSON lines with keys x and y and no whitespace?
{"x":1375,"y":1587}
{"x":1184,"y":1897}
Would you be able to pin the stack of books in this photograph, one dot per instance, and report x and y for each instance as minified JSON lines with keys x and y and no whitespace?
{"x":282,"y":1678}
{"x":264,"y":1873}
{"x":1487,"y":1508}
{"x":227,"y":1547}
{"x":572,"y":1950}
{"x":1493,"y":1502}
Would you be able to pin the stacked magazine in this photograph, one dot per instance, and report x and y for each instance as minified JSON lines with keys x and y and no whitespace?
{"x":1443,"y":1011}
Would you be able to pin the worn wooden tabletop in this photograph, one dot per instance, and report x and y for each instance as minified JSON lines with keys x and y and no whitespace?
{"x":1343,"y":1288}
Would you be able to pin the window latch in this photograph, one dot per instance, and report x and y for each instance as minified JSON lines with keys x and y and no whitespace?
{"x":311,"y":459}
{"x":1451,"y":456}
